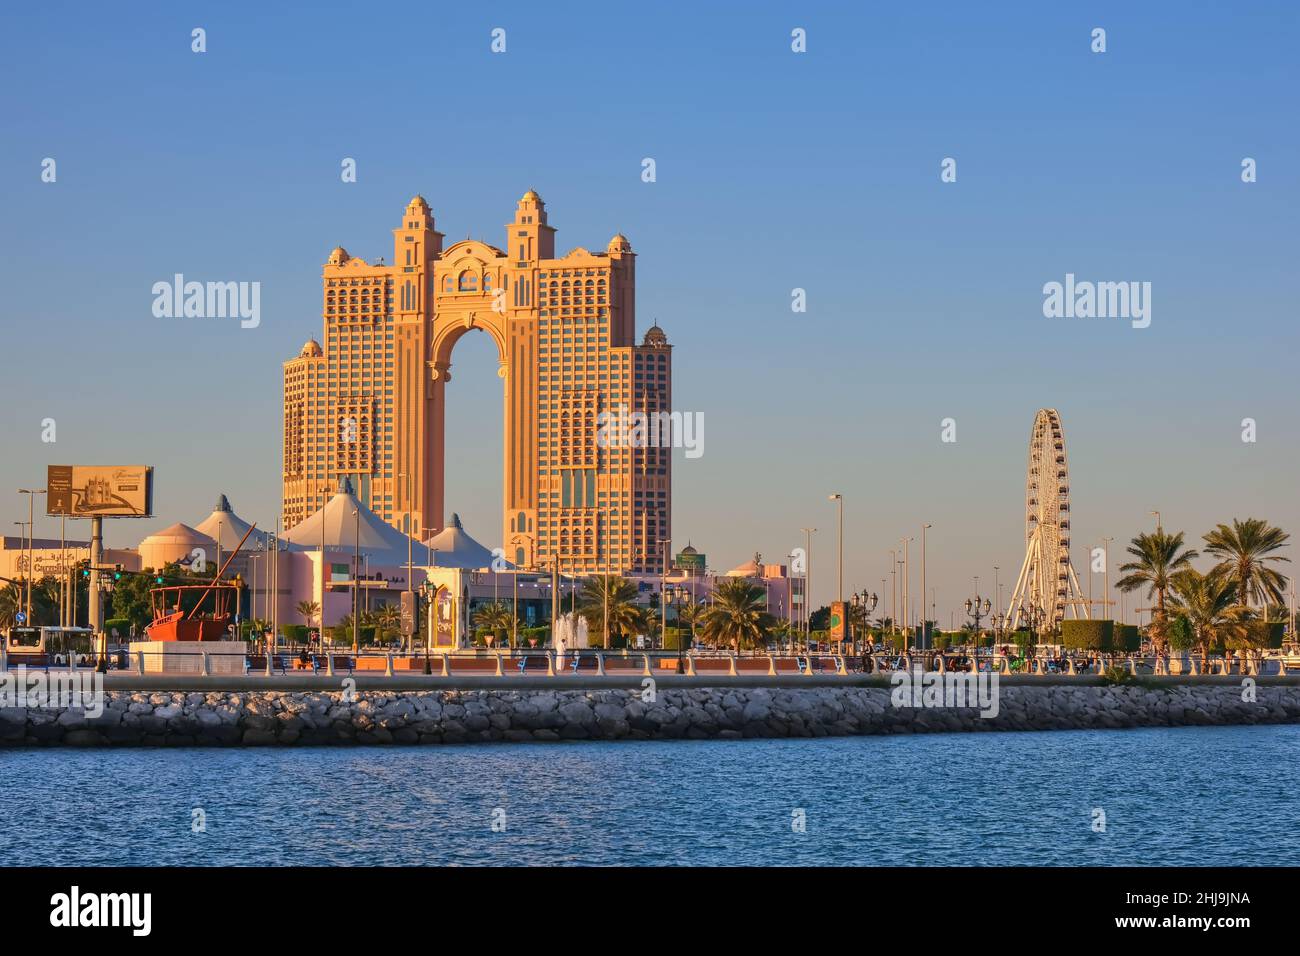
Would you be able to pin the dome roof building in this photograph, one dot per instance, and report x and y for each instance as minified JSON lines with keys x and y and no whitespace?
{"x":750,"y":569}
{"x":655,"y":338}
{"x":176,"y":544}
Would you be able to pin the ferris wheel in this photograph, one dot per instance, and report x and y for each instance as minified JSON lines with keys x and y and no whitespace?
{"x":1047,"y":586}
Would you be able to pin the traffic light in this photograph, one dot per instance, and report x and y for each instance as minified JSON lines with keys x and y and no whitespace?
{"x":117,"y":572}
{"x":158,"y":579}
{"x":85,"y":572}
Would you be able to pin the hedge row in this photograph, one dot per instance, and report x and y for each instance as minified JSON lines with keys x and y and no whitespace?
{"x":1088,"y":635}
{"x":1128,"y":639}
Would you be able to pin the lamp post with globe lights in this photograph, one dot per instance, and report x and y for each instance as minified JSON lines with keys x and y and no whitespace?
{"x":977,"y":608}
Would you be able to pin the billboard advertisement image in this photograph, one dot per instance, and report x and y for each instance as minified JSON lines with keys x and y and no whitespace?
{"x":100,"y":491}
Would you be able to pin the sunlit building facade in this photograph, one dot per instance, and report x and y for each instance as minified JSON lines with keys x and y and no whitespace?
{"x":368,"y":400}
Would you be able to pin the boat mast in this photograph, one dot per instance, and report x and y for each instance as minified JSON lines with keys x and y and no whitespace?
{"x":220,"y":572}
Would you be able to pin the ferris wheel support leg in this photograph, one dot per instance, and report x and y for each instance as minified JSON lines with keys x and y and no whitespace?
{"x":1076,"y":597}
{"x":1018,"y":595}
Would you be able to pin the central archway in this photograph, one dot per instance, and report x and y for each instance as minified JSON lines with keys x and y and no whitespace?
{"x":448,"y":329}
{"x":473,"y":425}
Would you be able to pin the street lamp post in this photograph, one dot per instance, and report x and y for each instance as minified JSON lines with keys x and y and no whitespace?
{"x":906,"y":593}
{"x":867,"y":601}
{"x":893,"y":591}
{"x":1105,"y":597}
{"x":925,"y":618}
{"x":22,"y":543}
{"x":977,"y":608}
{"x":807,"y":586}
{"x":410,"y":554}
{"x":883,"y":582}
{"x":670,"y":596}
{"x":902,"y":610}
{"x":997,"y":592}
{"x":31,"y":494}
{"x":356,"y":569}
{"x":839,"y":591}
{"x":1034,"y":617}
{"x":664,"y":543}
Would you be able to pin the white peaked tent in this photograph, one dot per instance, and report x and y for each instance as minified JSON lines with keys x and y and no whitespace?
{"x":227,"y":528}
{"x":453,"y":548}
{"x":383,"y":543}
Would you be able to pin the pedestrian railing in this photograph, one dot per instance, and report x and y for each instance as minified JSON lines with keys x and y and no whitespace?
{"x":195,"y":660}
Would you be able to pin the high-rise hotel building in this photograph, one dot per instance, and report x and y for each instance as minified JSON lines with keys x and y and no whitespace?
{"x":368,"y":400}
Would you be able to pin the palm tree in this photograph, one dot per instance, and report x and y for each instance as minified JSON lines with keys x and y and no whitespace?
{"x":387,"y":619}
{"x":1243,"y":549}
{"x":307,"y":610}
{"x":496,"y":617}
{"x":1209,"y":602}
{"x":1159,"y":557}
{"x":738,"y":615}
{"x":11,"y":602}
{"x":344,"y":629}
{"x":615,"y":596}
{"x":689,"y":614}
{"x":45,"y":599}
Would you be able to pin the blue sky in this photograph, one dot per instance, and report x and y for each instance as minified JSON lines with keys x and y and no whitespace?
{"x":775,"y":170}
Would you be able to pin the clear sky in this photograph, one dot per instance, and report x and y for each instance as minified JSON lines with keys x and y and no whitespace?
{"x":775,"y":171}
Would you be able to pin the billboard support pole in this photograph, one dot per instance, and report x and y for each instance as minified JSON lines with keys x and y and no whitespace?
{"x":96,"y":615}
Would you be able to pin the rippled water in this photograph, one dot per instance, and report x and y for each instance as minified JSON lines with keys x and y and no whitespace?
{"x":1176,"y":796}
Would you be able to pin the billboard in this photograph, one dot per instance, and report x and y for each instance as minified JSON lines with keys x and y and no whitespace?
{"x":99,"y":491}
{"x":839,"y":623}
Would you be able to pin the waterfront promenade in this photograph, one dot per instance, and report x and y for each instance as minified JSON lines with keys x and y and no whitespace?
{"x":590,"y":669}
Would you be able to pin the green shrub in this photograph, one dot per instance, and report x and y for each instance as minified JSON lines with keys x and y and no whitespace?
{"x":122,"y":624}
{"x":1022,"y":639}
{"x":942,"y":641}
{"x":1128,"y":639}
{"x":1088,"y":635}
{"x":675,"y":637}
{"x":295,"y":633}
{"x":1181,"y":636}
{"x":343,"y":635}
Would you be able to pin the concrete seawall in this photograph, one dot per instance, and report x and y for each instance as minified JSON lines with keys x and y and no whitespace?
{"x":512,"y":712}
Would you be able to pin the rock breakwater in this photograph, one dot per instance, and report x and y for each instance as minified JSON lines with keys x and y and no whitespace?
{"x":282,"y":718}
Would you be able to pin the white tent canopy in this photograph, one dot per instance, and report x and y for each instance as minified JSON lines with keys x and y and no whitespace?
{"x":227,"y":528}
{"x":374,"y":537}
{"x":453,"y":548}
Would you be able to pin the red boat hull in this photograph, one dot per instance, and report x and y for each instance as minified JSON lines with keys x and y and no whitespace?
{"x":176,"y":627}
